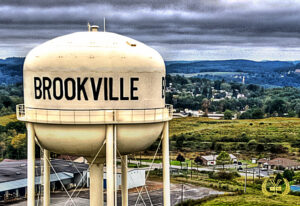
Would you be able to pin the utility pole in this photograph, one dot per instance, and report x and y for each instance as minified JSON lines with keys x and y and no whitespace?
{"x":182,"y":193}
{"x":197,"y":170}
{"x":214,"y":160}
{"x":245,"y":179}
{"x":191,"y":169}
{"x":258,"y":172}
{"x":253,"y":175}
{"x":140,"y":159}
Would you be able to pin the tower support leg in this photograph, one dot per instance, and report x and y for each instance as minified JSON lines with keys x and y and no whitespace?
{"x":110,"y":165}
{"x":46,"y":201}
{"x":166,"y":165}
{"x":30,"y":165}
{"x":124,"y":181}
{"x":101,"y":199}
{"x":96,"y":185}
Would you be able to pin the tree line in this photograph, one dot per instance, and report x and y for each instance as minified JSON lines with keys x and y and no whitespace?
{"x":247,"y":101}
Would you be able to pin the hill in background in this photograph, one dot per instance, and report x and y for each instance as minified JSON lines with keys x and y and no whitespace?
{"x":264,"y":73}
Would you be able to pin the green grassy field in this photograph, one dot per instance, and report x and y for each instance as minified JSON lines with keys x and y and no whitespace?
{"x":234,"y":135}
{"x":198,"y":135}
{"x":253,"y":200}
{"x":261,"y":129}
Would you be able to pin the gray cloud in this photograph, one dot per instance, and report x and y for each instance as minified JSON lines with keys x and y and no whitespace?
{"x":189,"y":27}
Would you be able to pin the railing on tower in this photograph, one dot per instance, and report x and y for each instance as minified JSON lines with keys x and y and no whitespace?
{"x":94,"y":116}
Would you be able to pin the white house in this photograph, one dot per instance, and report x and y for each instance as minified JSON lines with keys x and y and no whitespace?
{"x":212,"y":159}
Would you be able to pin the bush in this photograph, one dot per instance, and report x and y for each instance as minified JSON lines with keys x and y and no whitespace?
{"x":224,"y":175}
{"x":297,"y":178}
{"x":279,"y":149}
{"x":260,"y":148}
{"x":18,"y":126}
{"x":252,"y":144}
{"x":228,"y":115}
{"x":288,"y":174}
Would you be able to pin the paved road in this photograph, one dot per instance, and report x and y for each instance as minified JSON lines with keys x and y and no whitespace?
{"x":210,"y":168}
{"x":156,"y":196}
{"x":159,"y":166}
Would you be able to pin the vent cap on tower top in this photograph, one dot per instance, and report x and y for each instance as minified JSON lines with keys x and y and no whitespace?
{"x":94,"y":28}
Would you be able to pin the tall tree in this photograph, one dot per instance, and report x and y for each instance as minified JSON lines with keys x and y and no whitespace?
{"x":223,"y":158}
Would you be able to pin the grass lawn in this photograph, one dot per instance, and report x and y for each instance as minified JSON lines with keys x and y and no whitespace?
{"x":198,"y":135}
{"x":254,"y":200}
{"x":249,"y":162}
{"x":133,"y":165}
{"x":281,"y":128}
{"x":150,"y":160}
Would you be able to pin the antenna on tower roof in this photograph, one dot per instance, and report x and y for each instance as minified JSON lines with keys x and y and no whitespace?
{"x":104,"y":24}
{"x":89,"y":26}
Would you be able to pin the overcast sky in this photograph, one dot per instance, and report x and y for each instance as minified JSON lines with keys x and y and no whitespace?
{"x":179,"y":30}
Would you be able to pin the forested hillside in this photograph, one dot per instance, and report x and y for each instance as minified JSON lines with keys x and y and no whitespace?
{"x":248,"y":101}
{"x":265,"y":73}
{"x":11,"y":70}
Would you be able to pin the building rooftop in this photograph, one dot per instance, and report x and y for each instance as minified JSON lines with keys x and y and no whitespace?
{"x":20,"y":183}
{"x":262,"y":160}
{"x":283,"y":162}
{"x":214,"y":157}
{"x":17,"y":169}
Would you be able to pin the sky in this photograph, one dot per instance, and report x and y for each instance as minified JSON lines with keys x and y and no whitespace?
{"x":178,"y":29}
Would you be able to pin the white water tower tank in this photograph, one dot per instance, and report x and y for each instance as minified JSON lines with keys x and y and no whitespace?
{"x":79,"y":86}
{"x":76,"y":84}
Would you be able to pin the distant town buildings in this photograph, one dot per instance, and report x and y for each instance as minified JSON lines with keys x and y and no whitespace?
{"x":197,"y":113}
{"x":212,"y":159}
{"x":279,"y":163}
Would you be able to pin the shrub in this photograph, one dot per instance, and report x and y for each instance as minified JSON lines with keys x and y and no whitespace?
{"x":288,"y":174}
{"x":224,"y":175}
{"x":228,"y":115}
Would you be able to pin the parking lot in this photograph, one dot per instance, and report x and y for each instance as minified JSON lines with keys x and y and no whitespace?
{"x":178,"y":192}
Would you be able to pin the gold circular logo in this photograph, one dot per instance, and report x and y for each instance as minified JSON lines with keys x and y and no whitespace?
{"x":270,"y":187}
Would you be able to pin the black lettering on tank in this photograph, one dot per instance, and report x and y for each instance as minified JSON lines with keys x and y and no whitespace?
{"x":73,"y":87}
{"x":58,"y":83}
{"x":76,"y":88}
{"x":105,"y":89}
{"x":111,"y":90}
{"x":46,"y":87}
{"x":81,"y":88}
{"x":37,"y":88}
{"x":96,"y":89}
{"x":133,"y":88}
{"x":122,"y":97}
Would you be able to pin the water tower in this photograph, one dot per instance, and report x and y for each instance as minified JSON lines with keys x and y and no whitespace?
{"x":89,"y":89}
